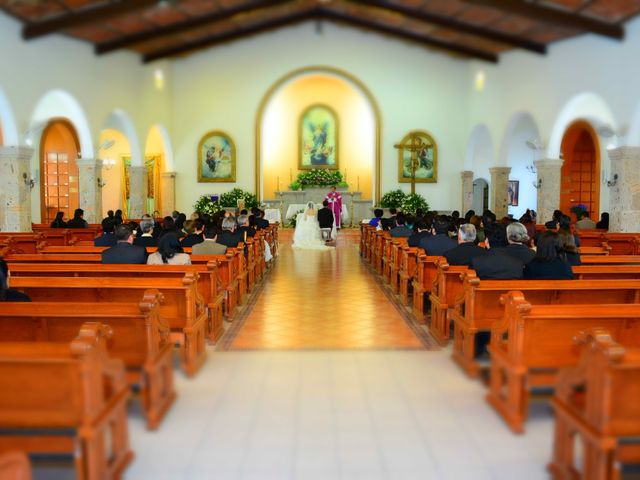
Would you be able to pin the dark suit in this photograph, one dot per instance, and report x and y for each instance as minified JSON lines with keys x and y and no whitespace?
{"x":498,"y":266}
{"x":522,"y":252}
{"x":250,"y":231}
{"x":325,"y":217}
{"x":146,"y":241}
{"x":464,"y":253}
{"x":105,"y":240}
{"x":262,"y":223}
{"x":77,"y":223}
{"x":414,"y":239}
{"x":400,"y":231}
{"x":191,"y":240}
{"x":437,"y":245}
{"x":555,"y":270}
{"x":124,"y":253}
{"x":388,"y":223}
{"x":229,"y":239}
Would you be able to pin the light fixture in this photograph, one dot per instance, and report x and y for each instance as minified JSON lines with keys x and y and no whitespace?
{"x":108,"y":163}
{"x":158,"y":78}
{"x":30,"y":182}
{"x":535,"y":145}
{"x":537,"y":185}
{"x":480,"y":80}
{"x":613,"y":182}
{"x":33,"y":131}
{"x":101,"y":183}
{"x":107,"y":144}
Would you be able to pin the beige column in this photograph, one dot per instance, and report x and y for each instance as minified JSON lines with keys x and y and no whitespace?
{"x":499,"y":190}
{"x":624,"y":214}
{"x":137,"y":192}
{"x":90,"y":181}
{"x":15,"y":189}
{"x":467,"y":191}
{"x":168,"y":193}
{"x":548,"y":185}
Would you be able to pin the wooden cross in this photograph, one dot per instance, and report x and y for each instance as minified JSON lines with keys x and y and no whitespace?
{"x":414,"y":145}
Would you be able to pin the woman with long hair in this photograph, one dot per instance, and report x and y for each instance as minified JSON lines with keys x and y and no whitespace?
{"x":549,"y":262}
{"x":58,"y":222}
{"x":169,"y":252}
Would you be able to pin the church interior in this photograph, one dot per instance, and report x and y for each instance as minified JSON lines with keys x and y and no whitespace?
{"x":357,"y":359}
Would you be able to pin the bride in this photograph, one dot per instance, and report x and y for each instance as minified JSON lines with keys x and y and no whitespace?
{"x":307,"y":234}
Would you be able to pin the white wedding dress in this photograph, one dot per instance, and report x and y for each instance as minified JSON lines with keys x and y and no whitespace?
{"x":307,"y":234}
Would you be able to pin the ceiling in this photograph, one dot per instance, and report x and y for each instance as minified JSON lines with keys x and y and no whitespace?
{"x":474,"y":29}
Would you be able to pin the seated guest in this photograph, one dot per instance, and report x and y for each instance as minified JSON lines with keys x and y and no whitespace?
{"x":497,"y":265}
{"x":549,"y":263}
{"x":585,"y":223}
{"x":169,"y":252}
{"x":604,"y":221}
{"x":109,"y":216}
{"x":564,"y":225}
{"x":179,"y":222}
{"x":245,"y":230}
{"x":147,"y":227}
{"x":195,"y":229}
{"x":476,"y":221}
{"x":58,"y":222}
{"x":77,"y":221}
{"x":518,"y":241}
{"x":439,"y":242}
{"x":229,"y":236}
{"x":210,"y":246}
{"x":168,"y":226}
{"x":466,"y":250}
{"x":569,"y":248}
{"x":377,"y":218}
{"x":420,"y":230}
{"x":530,"y":226}
{"x":389,"y":222}
{"x":124,"y":252}
{"x":400,"y":229}
{"x":6,"y":293}
{"x":118,"y":217}
{"x":108,"y":237}
{"x":259,"y":218}
{"x":468,"y":215}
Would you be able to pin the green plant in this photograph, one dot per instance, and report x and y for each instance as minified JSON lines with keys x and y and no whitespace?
{"x":414,"y":202}
{"x":205,"y":205}
{"x":230,"y":199}
{"x":392,"y":199}
{"x":320,"y":177}
{"x":295,"y":185}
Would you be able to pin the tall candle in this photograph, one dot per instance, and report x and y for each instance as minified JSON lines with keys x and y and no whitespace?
{"x":278,"y":183}
{"x":358,"y":187}
{"x":345,"y":174}
{"x":291,"y":174}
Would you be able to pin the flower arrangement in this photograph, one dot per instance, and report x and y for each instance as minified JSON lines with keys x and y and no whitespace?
{"x":206,"y":205}
{"x":579,"y":211}
{"x":295,"y":186}
{"x":392,"y":199}
{"x":414,"y":202}
{"x":320,"y":177}
{"x":230,"y":199}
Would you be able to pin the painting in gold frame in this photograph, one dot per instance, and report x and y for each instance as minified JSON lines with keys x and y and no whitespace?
{"x":427,"y":157}
{"x":153,"y":164}
{"x":216,"y":158}
{"x":318,"y":136}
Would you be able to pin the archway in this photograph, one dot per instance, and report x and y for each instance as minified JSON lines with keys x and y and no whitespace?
{"x":479,"y":158}
{"x":59,"y":192}
{"x":113,"y":151}
{"x":357,"y":112}
{"x":580,"y":175}
{"x":157,"y":156}
{"x":480,"y":199}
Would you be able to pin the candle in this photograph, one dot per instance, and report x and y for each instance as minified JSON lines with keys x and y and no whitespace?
{"x":291,"y":174}
{"x":278,"y":183}
{"x":345,"y":174}
{"x":358,"y":187}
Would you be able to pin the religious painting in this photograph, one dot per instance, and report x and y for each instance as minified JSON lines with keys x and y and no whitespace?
{"x":318,"y":134}
{"x":152,"y":164}
{"x":216,"y":158}
{"x":513,"y":191}
{"x":417,"y":155}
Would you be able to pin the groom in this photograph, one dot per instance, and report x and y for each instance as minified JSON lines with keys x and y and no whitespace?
{"x":335,"y":203}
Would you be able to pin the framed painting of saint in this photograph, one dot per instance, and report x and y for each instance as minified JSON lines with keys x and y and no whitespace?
{"x":216,"y":158}
{"x":418,"y":150}
{"x":513,"y":192}
{"x":318,"y":134}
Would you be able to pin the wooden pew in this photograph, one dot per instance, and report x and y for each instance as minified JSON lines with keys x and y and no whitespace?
{"x":183,"y":307}
{"x":531,"y":342}
{"x":425,"y":276}
{"x":66,"y":398}
{"x":395,"y":262}
{"x":21,"y":242}
{"x":14,"y":465}
{"x":479,"y":305}
{"x":600,"y":250}
{"x":602,"y":272}
{"x":597,"y":402}
{"x":447,"y":286}
{"x":407,"y":272}
{"x":140,"y":338}
{"x":377,"y":250}
{"x":610,"y":259}
{"x":73,"y":234}
{"x":385,"y":259}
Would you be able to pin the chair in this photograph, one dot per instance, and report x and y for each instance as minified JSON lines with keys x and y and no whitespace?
{"x":326,"y":234}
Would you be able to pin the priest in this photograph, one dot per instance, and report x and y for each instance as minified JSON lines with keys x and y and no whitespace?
{"x":335,"y":204}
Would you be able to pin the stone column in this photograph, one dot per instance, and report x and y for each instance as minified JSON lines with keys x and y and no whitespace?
{"x":624,"y":214}
{"x":467,"y":191}
{"x":89,"y":173}
{"x":168,"y":193}
{"x":499,"y":190}
{"x":137,"y":192}
{"x":548,"y":185}
{"x":15,"y":189}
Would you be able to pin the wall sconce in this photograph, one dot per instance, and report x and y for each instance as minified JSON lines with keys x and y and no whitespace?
{"x":537,"y":185}
{"x":613,"y":181}
{"x":108,"y":163}
{"x":101,"y":183}
{"x":30,"y":182}
{"x":532,"y":168}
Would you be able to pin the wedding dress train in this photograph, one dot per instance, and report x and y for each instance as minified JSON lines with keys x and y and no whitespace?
{"x":307,"y":235}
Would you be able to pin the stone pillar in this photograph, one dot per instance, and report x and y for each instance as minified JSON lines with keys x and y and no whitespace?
{"x":624,"y":214}
{"x":89,"y":180}
{"x":15,"y":189}
{"x":499,"y":190}
{"x":548,"y":185}
{"x":467,"y":191}
{"x":168,"y":193}
{"x":137,"y":192}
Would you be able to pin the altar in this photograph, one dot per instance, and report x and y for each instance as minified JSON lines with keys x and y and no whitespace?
{"x":296,"y":208}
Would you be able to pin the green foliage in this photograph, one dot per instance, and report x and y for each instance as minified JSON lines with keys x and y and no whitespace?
{"x":320,"y":177}
{"x":205,"y":205}
{"x":414,"y":202}
{"x":392,"y":199}
{"x":230,"y":199}
{"x":295,"y":186}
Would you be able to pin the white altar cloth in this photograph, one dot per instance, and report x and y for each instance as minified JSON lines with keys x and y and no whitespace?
{"x":295,"y":208}
{"x":273,"y":215}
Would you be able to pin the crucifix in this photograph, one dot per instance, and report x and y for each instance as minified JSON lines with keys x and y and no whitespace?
{"x":413,"y":145}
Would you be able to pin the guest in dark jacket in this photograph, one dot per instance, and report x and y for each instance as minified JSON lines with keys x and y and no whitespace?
{"x":229,"y":236}
{"x":466,"y":250}
{"x":569,"y":248}
{"x":325,"y":216}
{"x":400,"y":229}
{"x":604,"y":221}
{"x":261,"y":223}
{"x":440,"y":242}
{"x":549,"y":263}
{"x":147,"y":239}
{"x":497,"y":265}
{"x":6,"y":293}
{"x":377,"y":218}
{"x":58,"y":222}
{"x":124,"y":252}
{"x":244,"y":230}
{"x":78,"y":221}
{"x":168,"y":226}
{"x":108,"y":237}
{"x":518,"y":241}
{"x":420,"y":231}
{"x":196,"y":229}
{"x":390,"y":222}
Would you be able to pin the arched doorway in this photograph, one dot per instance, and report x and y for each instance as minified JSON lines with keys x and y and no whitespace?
{"x":580,"y":175}
{"x":59,"y":149}
{"x":156,"y":152}
{"x":480,"y":199}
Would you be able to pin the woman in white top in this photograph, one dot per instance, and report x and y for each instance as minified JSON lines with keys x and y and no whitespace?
{"x":169,"y":252}
{"x":307,"y":234}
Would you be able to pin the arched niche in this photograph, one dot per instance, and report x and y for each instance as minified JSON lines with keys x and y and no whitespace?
{"x":158,"y":158}
{"x":113,"y":151}
{"x":278,"y":106}
{"x":479,"y":154}
{"x":480,"y":198}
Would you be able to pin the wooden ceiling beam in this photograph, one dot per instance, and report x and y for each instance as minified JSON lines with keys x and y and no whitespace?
{"x":179,"y":27}
{"x":554,"y":16}
{"x":453,"y":24}
{"x":318,"y":13}
{"x":86,"y":16}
